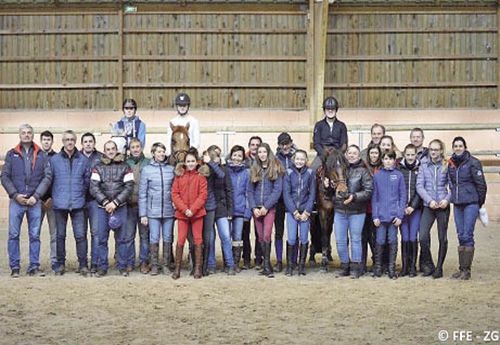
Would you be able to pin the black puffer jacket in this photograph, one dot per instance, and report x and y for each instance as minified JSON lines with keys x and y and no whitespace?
{"x":360,"y":185}
{"x":112,"y":180}
{"x":223,"y":192}
{"x":410,"y":173}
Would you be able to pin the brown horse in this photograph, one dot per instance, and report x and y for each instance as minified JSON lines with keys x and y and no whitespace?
{"x":334,"y":168}
{"x":179,"y":144}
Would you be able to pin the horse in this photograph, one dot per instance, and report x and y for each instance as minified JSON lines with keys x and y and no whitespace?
{"x":334,"y":168}
{"x":119,"y":137}
{"x":179,"y":144}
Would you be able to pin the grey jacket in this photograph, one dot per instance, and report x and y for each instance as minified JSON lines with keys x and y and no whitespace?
{"x":432,"y":182}
{"x":155,"y":188}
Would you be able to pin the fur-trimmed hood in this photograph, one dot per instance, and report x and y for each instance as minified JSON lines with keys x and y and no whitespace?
{"x":203,"y":170}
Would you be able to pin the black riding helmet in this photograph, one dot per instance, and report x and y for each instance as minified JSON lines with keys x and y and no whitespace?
{"x":182,"y":99}
{"x":330,"y":103}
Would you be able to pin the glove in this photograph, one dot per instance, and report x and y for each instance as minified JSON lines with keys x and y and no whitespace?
{"x":483,"y":216}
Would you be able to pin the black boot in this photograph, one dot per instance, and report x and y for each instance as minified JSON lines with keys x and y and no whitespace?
{"x":393,"y":253}
{"x":412,"y":259}
{"x":344,"y":269}
{"x":461,"y":264}
{"x":191,"y":259}
{"x":268,"y":269}
{"x":167,"y":257}
{"x":302,"y":259}
{"x":289,"y":258}
{"x":377,"y":267}
{"x":356,"y":270}
{"x":468,"y":256}
{"x":204,"y":266}
{"x":153,"y":249}
{"x":404,"y":258}
{"x":426,"y":259}
{"x":443,"y":248}
{"x":237,"y":248}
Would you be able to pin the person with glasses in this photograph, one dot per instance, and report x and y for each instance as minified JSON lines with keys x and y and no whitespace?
{"x":131,"y":124}
{"x":70,"y":183}
{"x":183,"y":118}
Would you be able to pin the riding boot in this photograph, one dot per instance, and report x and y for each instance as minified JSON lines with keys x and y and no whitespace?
{"x":268,"y":269}
{"x":427,"y":266}
{"x":393,"y":253}
{"x":461,"y":263}
{"x":377,"y":267}
{"x":404,"y":258}
{"x":438,"y":272}
{"x":198,"y":255}
{"x":153,"y":249}
{"x":356,"y":270}
{"x":295,"y":256}
{"x":344,"y":269}
{"x":191,"y":259}
{"x":206,"y":253}
{"x":278,"y":247}
{"x":289,"y":258}
{"x":237,"y":248}
{"x":312,"y":254}
{"x":167,"y":253}
{"x":468,"y":255}
{"x":178,"y":261}
{"x":412,"y":258}
{"x":302,"y":259}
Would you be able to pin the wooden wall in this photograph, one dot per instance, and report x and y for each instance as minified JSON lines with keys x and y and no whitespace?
{"x":247,"y":56}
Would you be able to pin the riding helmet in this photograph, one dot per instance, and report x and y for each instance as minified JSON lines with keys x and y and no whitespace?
{"x":330,"y":103}
{"x":182,"y":99}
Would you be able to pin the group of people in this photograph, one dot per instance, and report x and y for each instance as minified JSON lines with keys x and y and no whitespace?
{"x":209,"y":194}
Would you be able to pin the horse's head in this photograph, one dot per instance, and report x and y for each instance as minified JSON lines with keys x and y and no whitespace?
{"x":335,"y":168}
{"x":179,"y":144}
{"x":119,"y":137}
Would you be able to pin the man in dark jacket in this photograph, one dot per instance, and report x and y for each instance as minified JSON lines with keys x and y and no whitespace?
{"x":70,"y":182}
{"x":25,"y":181}
{"x":111,"y":185}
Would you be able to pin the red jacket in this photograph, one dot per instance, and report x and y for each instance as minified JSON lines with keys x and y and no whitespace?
{"x":189,"y":191}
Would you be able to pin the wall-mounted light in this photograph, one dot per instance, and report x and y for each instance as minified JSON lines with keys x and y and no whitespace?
{"x":130,"y":9}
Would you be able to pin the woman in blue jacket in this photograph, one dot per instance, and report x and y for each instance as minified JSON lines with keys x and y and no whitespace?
{"x":155,"y":205}
{"x":299,"y":193}
{"x":240,"y":175}
{"x":388,"y":203}
{"x":468,"y":193}
{"x":264,"y":189}
{"x":432,"y":186}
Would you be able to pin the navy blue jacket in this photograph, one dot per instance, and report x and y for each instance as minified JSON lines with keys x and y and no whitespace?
{"x":215,"y":172}
{"x":70,"y":180}
{"x":240,"y":176}
{"x":467,"y":183}
{"x":299,"y":189}
{"x":331,"y":137}
{"x":264,"y":192}
{"x":14,"y":178}
{"x":389,"y":195}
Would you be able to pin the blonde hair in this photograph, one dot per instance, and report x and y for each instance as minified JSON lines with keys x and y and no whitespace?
{"x":441,"y":144}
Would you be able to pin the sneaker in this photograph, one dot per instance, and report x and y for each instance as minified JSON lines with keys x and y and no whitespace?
{"x":124,"y":273}
{"x":84,"y":271}
{"x":93,"y":268}
{"x":36,"y":272}
{"x":15,"y":273}
{"x":60,"y":270}
{"x":101,"y":273}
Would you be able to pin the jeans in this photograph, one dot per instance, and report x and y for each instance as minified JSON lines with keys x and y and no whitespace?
{"x":351,"y":225}
{"x":387,"y":233}
{"x":225,"y":238}
{"x":465,"y":221}
{"x":291,"y":230}
{"x":51,"y":219}
{"x":16,"y":215}
{"x":236,"y":226}
{"x":161,"y":227}
{"x":91,"y":218}
{"x":208,"y":235}
{"x":103,"y":217}
{"x":133,"y":222}
{"x":410,"y":225}
{"x":264,"y":226}
{"x":79,"y":232}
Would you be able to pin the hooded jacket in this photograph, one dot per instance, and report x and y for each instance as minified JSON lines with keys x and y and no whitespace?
{"x":410,"y":173}
{"x":155,"y":188}
{"x":240,"y":176}
{"x":389,"y":195}
{"x":299,"y":189}
{"x":264,"y":192}
{"x":467,"y":183}
{"x":223,"y":192}
{"x":189,"y":191}
{"x":136,"y":164}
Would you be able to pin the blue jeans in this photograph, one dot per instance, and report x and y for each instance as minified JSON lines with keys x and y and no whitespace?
{"x":163,"y":227}
{"x":237,"y":228}
{"x":225,"y":238}
{"x":387,"y":233}
{"x":51,"y":219}
{"x":351,"y":225}
{"x":104,"y":230}
{"x":291,"y":230}
{"x":16,"y":215}
{"x":465,"y":221}
{"x":79,"y":232}
{"x":91,"y":218}
{"x":410,"y":225}
{"x":133,"y":222}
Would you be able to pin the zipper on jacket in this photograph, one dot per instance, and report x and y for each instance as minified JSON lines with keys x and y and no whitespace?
{"x":162,"y":196}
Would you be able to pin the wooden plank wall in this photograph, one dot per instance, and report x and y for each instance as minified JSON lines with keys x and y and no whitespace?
{"x":413,"y":60}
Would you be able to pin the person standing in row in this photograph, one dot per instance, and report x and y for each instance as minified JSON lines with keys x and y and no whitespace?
{"x":25,"y":181}
{"x":189,"y":193}
{"x":299,"y":192}
{"x":111,"y":185}
{"x":468,"y":194}
{"x":264,"y":189}
{"x":156,"y":210}
{"x":70,"y":183}
{"x":432,"y":186}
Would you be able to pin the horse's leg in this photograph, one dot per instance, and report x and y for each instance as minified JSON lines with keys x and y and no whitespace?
{"x":330,"y":230}
{"x":325,"y":234}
